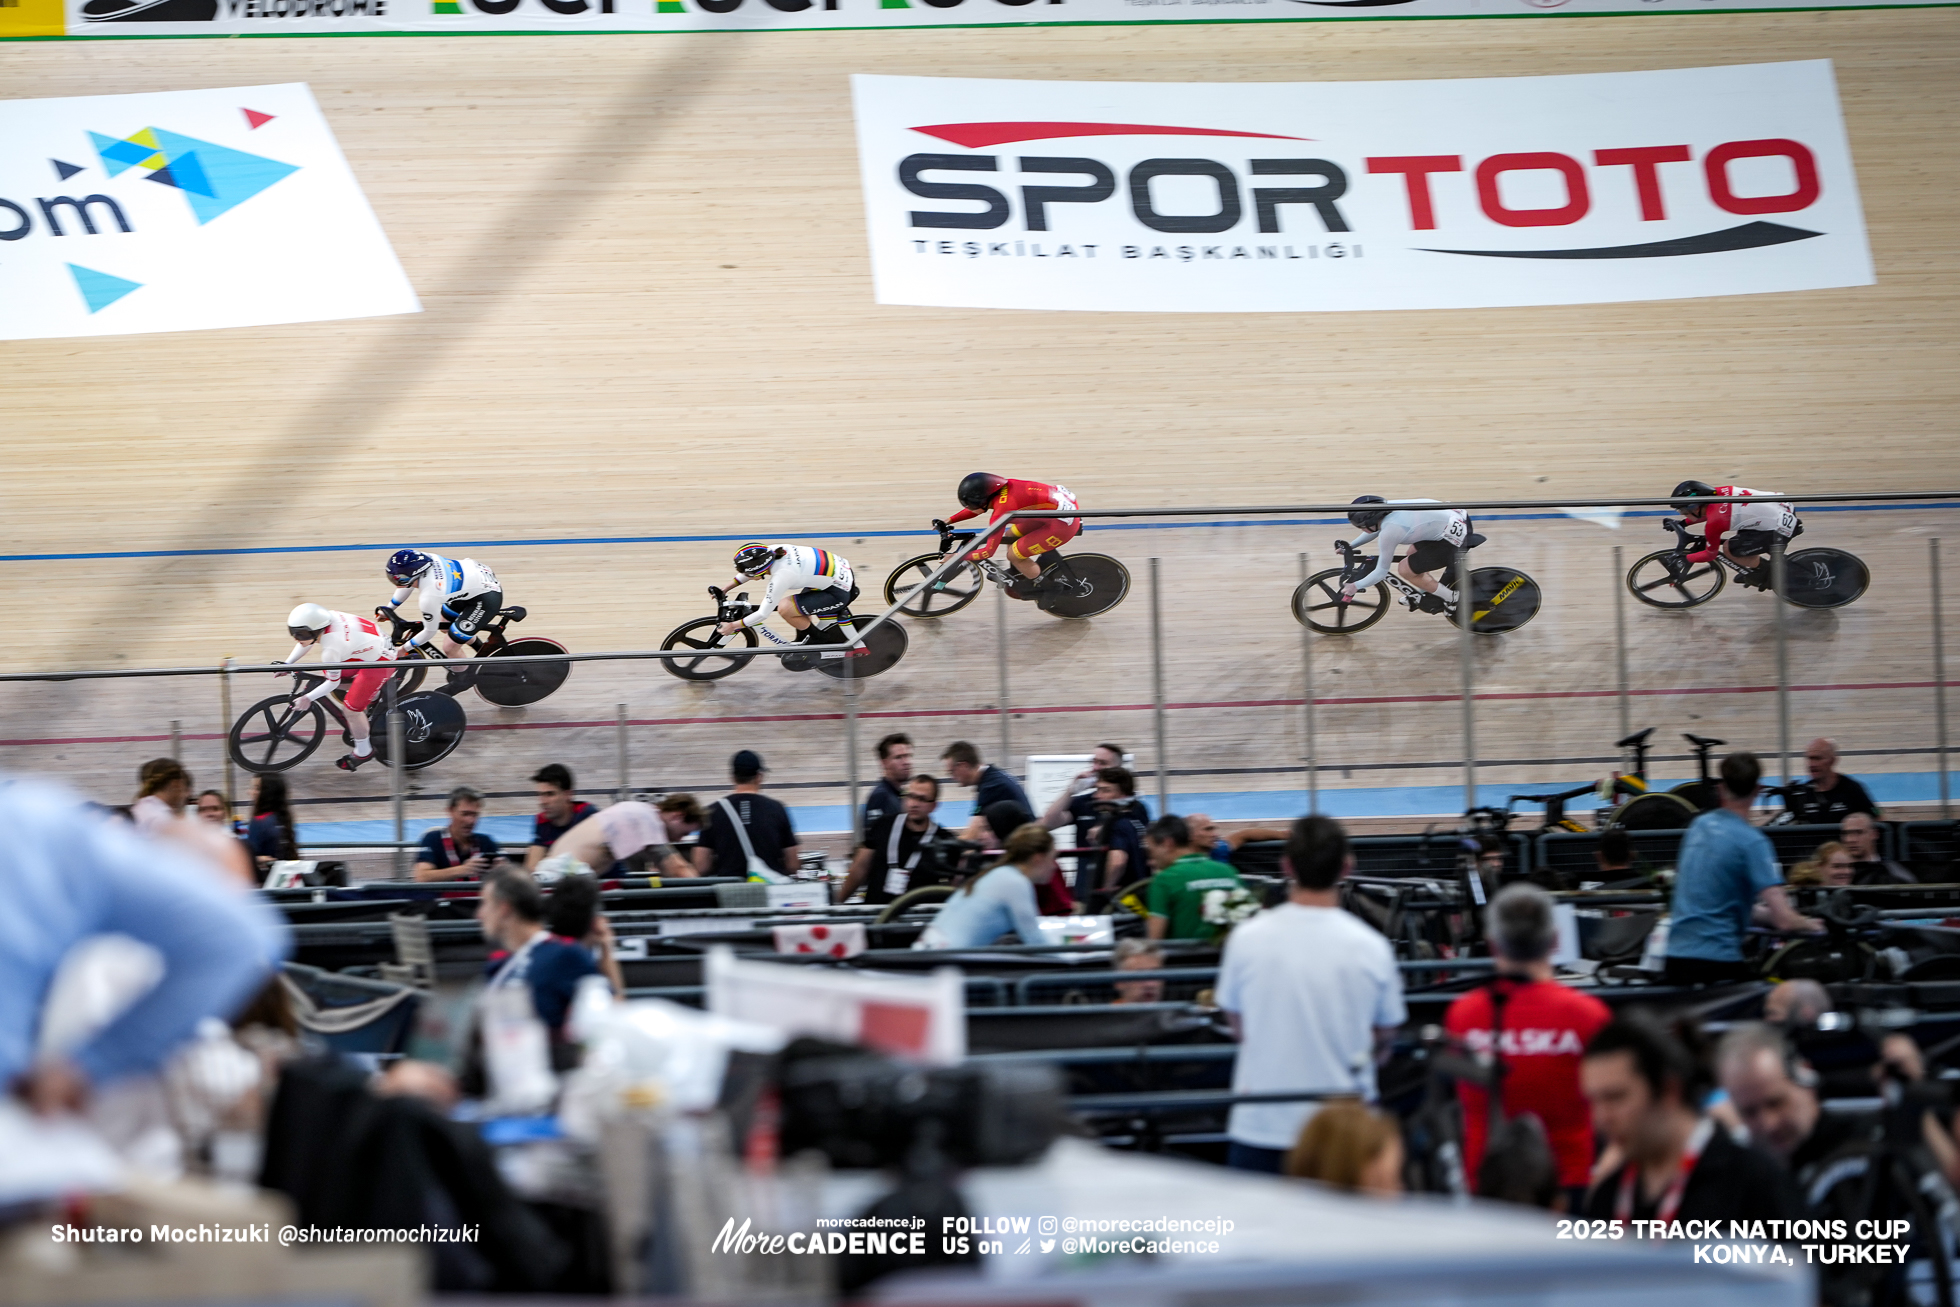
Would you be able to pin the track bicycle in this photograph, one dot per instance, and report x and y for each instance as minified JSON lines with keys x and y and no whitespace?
{"x":881,"y":650}
{"x":1074,"y":585}
{"x":1812,"y":578}
{"x":508,"y":685}
{"x":1502,"y":598}
{"x":278,"y":733}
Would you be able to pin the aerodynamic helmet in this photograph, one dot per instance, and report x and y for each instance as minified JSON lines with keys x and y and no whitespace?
{"x":306,"y":622}
{"x":1687,"y":492}
{"x":1368,"y":519}
{"x":404,"y":565}
{"x":978,"y":488}
{"x":754,"y":559}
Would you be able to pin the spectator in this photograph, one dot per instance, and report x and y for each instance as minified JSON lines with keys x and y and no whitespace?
{"x":1614,"y":855}
{"x":1646,"y":1088}
{"x":1869,"y":866}
{"x":888,"y":795}
{"x":1120,"y":820}
{"x":1530,"y":1031}
{"x":999,"y":901}
{"x":887,"y":863}
{"x":1829,"y":865}
{"x":458,"y":850}
{"x":214,"y":807}
{"x":573,"y":915}
{"x":633,"y":834}
{"x":1796,"y":1002}
{"x":1829,"y":797}
{"x":1076,"y":804}
{"x":993,"y":824}
{"x":989,"y":783}
{"x":1726,"y":866}
{"x":747,"y":828}
{"x":1521,"y":1167}
{"x":1206,"y":839}
{"x":1313,"y":997}
{"x":1182,"y":877}
{"x":1138,"y":955}
{"x":559,"y":809}
{"x":70,"y":877}
{"x":269,"y":834}
{"x":163,"y":787}
{"x":1350,"y":1147}
{"x":511,"y":912}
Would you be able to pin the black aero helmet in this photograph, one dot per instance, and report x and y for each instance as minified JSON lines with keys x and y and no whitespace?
{"x":754,"y":559}
{"x":1368,"y":519}
{"x":977,"y":488}
{"x":1687,"y":492}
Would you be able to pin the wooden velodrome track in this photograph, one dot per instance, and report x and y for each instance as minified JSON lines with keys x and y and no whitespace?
{"x":649,"y":314}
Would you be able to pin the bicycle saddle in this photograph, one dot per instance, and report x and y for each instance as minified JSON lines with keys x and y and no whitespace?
{"x":1636,"y":739}
{"x":514,"y":613}
{"x":1474,"y":539}
{"x":1702,"y":741}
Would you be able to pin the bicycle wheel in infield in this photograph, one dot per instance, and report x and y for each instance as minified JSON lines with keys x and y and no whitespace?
{"x":1666,"y":580}
{"x":882,"y":649}
{"x":1655,"y":812}
{"x":1317,"y":603}
{"x":1083,"y":585}
{"x":1823,"y":578}
{"x":1502,"y":599}
{"x":948,"y":594}
{"x":921,"y":897}
{"x":516,"y":684}
{"x":432,"y":726}
{"x":270,"y":736}
{"x":713,"y":664}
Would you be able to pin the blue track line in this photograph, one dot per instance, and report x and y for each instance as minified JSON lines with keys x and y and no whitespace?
{"x":834,"y":535}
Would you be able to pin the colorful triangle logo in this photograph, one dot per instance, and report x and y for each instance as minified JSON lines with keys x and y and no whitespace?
{"x":257,"y":119}
{"x":214,"y":178}
{"x":99,"y":289}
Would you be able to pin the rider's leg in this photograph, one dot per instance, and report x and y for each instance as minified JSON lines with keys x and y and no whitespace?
{"x":1424,"y":581}
{"x":1033,"y":539}
{"x":792,"y":614}
{"x":360,"y":690}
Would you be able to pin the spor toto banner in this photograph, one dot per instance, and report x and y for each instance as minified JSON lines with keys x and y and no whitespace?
{"x":178,"y":210}
{"x":317,"y":17}
{"x":1299,"y":196}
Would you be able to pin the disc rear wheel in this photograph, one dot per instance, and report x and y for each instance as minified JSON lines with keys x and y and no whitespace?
{"x":1824,"y":578}
{"x":432,"y":726}
{"x":1317,"y":604}
{"x":1502,"y":599}
{"x":1083,"y":585}
{"x":881,"y":651}
{"x":512,"y":685}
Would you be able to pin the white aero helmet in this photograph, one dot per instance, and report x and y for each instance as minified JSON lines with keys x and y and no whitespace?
{"x":306,"y":622}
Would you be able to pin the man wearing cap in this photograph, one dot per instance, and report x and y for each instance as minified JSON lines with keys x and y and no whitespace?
{"x":746,"y":822}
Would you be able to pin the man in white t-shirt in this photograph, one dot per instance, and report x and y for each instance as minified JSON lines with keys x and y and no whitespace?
{"x":1314,"y":997}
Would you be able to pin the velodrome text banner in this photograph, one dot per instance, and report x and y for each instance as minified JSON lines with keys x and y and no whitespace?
{"x":180,"y":210}
{"x":317,"y":17}
{"x":1288,"y":197}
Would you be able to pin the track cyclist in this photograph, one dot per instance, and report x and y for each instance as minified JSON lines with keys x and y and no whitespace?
{"x":812,"y":589}
{"x":461,"y":590}
{"x":1436,"y":537}
{"x":343,"y":638}
{"x":1031,"y":537}
{"x":1756,"y":527}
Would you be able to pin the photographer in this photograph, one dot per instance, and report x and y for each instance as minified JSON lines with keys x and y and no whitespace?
{"x":898,"y":854}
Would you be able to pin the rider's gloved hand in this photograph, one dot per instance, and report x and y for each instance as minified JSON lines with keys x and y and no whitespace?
{"x":384,"y":612}
{"x":1347,"y":593}
{"x":941,"y":527}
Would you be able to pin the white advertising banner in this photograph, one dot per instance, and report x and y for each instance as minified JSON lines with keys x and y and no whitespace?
{"x":181,"y":210}
{"x":317,"y":17}
{"x":1306,"y":196}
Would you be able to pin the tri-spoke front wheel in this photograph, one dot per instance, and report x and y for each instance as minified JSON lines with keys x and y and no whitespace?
{"x":713,"y":664}
{"x":949,"y":594}
{"x":1666,"y":579}
{"x":273,"y":736}
{"x":1317,"y":603}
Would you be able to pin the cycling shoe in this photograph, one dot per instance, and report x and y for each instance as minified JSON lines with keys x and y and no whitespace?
{"x":354,"y":760}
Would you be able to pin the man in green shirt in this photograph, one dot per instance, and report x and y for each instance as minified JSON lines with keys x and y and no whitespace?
{"x":1176,"y":896}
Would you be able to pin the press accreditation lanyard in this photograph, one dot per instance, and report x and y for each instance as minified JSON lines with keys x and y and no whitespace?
{"x":519,"y":963}
{"x":1671,"y":1197}
{"x":898,"y":877}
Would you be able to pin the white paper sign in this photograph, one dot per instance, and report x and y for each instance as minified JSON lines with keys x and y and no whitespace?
{"x":180,"y":210}
{"x":1288,"y":197}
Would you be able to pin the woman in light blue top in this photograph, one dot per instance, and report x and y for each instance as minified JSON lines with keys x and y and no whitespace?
{"x":999,"y":901}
